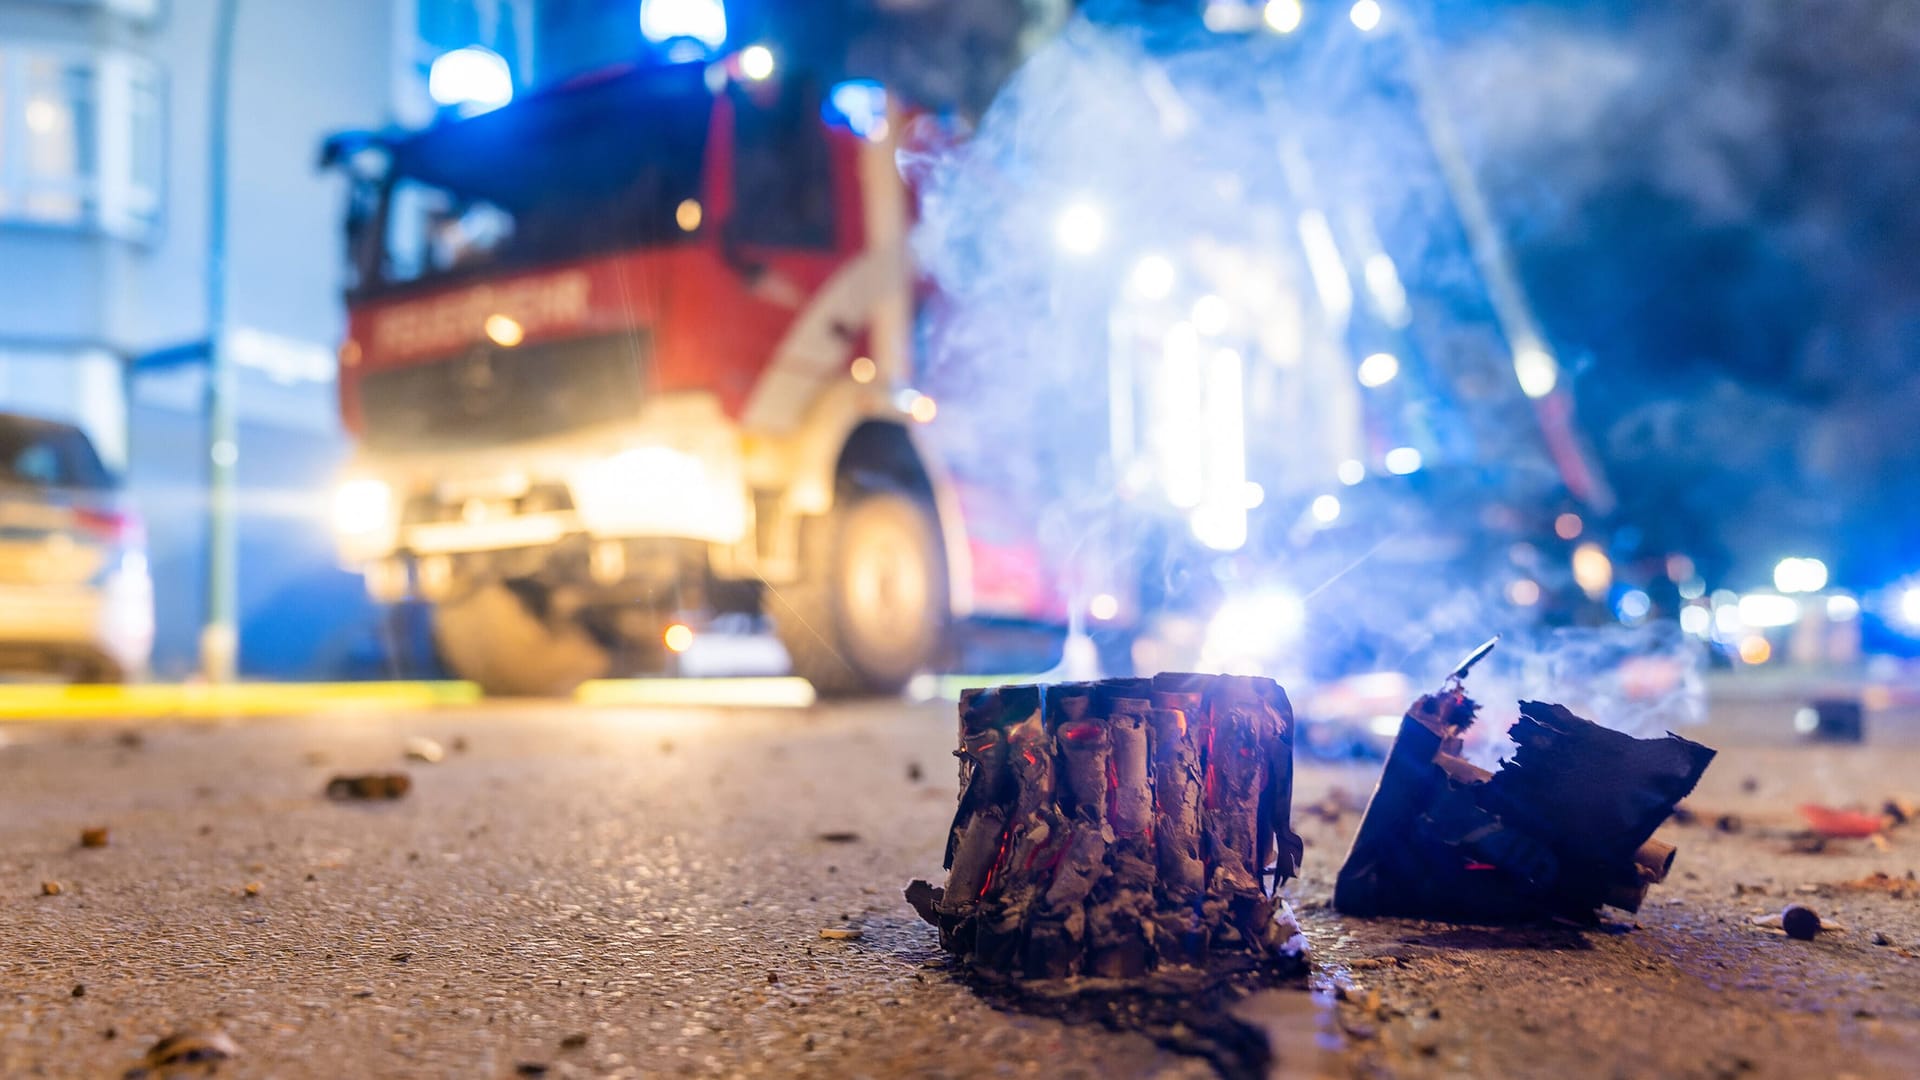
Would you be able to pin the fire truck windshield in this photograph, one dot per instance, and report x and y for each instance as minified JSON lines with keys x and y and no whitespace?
{"x":588,"y":167}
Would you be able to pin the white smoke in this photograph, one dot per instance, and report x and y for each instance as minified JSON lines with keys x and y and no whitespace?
{"x":1208,"y":150}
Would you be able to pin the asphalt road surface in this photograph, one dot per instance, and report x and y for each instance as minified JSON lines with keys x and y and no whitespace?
{"x":625,"y":892}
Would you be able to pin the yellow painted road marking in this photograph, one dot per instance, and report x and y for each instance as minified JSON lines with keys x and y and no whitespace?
{"x":38,"y":702}
{"x":174,"y":701}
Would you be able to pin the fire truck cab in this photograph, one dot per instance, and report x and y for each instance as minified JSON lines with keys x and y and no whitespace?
{"x":634,"y":350}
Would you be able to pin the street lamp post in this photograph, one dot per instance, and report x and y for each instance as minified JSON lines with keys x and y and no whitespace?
{"x":219,"y":635}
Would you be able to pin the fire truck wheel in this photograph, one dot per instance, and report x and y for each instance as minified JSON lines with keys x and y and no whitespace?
{"x":490,"y":637}
{"x":873,"y":609}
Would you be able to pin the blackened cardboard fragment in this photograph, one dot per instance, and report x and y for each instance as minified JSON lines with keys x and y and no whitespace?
{"x":1560,"y":830}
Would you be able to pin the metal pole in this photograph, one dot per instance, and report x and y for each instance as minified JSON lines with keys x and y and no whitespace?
{"x":219,"y":635}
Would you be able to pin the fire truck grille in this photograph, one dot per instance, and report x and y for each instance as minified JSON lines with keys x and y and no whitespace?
{"x":488,"y":396}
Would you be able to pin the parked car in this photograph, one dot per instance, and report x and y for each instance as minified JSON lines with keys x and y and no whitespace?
{"x":76,"y":599}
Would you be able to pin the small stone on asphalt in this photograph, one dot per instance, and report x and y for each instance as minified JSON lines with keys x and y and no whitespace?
{"x":421,"y":748}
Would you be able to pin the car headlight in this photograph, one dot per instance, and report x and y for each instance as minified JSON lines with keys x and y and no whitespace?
{"x":361,"y":507}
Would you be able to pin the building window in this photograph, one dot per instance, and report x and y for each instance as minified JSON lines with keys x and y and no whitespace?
{"x":80,"y":140}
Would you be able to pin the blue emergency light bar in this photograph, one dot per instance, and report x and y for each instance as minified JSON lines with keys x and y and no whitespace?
{"x":666,"y":21}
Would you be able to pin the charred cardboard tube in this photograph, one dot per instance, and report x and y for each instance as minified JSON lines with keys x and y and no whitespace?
{"x":975,"y":845}
{"x":984,"y":780}
{"x":1085,"y":746}
{"x":1088,"y":844}
{"x":1182,"y":870}
{"x":1236,"y":774}
{"x":1132,"y":786}
{"x":1655,"y":860}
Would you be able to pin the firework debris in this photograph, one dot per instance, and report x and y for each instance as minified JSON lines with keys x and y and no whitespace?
{"x":1899,"y":888}
{"x":369,"y":786}
{"x":1562,"y":829}
{"x":1119,"y":833}
{"x":422,"y":749}
{"x":1835,"y":824}
{"x":1117,"y":854}
{"x":94,"y":837}
{"x":185,"y":1048}
{"x":1798,"y":921}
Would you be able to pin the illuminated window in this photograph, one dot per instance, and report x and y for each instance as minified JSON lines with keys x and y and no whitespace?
{"x":80,"y":140}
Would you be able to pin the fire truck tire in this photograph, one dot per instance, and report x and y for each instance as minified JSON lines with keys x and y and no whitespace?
{"x":490,"y":637}
{"x":872,"y":611}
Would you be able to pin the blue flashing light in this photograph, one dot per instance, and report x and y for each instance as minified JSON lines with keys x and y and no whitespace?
{"x":473,"y":78}
{"x":704,"y":21}
{"x":1632,"y":606}
{"x":860,"y":106}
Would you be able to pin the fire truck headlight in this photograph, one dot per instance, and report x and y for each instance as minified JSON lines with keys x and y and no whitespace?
{"x":658,"y":491}
{"x":361,"y":507}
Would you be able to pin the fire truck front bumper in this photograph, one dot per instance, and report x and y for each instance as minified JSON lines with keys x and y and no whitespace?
{"x":598,"y":519}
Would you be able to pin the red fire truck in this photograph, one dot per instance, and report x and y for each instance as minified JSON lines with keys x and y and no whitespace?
{"x":636,"y":350}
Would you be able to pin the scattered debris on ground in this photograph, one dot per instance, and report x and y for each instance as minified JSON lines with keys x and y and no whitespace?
{"x":1564,"y":827}
{"x":575,"y":1041}
{"x":1335,"y":805}
{"x":1798,"y":921}
{"x":1686,"y":815}
{"x":369,"y":786}
{"x":1834,"y":824}
{"x":420,"y":748}
{"x":93,"y":837}
{"x":842,"y":933}
{"x":49,"y":888}
{"x":839,"y":837}
{"x":185,"y":1048}
{"x":1900,"y":888}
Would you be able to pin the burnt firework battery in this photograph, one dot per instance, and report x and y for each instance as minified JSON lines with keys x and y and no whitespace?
{"x":1121,"y":829}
